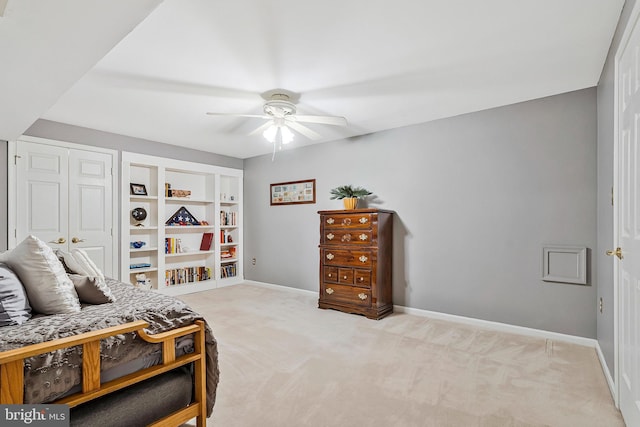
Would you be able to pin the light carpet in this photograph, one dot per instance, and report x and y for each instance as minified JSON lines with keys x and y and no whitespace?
{"x":284,"y":362}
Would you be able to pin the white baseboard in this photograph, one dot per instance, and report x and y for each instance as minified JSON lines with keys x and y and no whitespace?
{"x":486,"y":324}
{"x":497,"y":326}
{"x":280,"y":287}
{"x":607,"y":373}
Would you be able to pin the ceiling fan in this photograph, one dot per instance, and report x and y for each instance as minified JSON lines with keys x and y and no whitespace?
{"x":280,"y":113}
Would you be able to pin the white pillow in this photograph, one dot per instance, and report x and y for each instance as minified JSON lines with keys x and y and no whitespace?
{"x":49,"y":289}
{"x":78,"y":261}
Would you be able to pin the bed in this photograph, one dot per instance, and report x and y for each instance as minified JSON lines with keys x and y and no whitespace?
{"x":114,"y":355}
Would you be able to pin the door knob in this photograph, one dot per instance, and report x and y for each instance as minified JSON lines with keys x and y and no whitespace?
{"x":617,"y":252}
{"x":76,"y":240}
{"x":60,"y":241}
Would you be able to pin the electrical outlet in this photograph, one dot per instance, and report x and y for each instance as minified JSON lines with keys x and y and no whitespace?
{"x":253,"y":261}
{"x":601,"y":305}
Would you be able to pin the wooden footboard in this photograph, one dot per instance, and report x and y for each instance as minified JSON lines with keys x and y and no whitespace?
{"x":12,"y":368}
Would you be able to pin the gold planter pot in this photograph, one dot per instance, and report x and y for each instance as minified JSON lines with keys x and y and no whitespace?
{"x":350,"y":203}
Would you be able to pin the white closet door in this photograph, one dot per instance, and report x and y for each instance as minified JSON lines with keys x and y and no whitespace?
{"x":42,"y":193}
{"x":90,"y":206}
{"x":64,"y":196}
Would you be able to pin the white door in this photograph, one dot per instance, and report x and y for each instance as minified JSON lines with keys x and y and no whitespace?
{"x":90,"y":202}
{"x":42,"y":177}
{"x":628,"y":229}
{"x":64,"y":196}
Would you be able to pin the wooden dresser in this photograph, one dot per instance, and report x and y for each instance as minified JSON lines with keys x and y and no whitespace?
{"x":355,"y":261}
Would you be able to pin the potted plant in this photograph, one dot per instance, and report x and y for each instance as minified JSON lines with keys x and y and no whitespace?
{"x":349,"y":195}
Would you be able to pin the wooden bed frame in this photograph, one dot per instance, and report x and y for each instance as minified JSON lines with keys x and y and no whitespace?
{"x":12,"y":368}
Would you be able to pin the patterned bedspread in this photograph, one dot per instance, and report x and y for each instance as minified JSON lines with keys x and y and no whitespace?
{"x":51,"y":375}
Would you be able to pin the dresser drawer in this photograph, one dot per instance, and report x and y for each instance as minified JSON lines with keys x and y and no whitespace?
{"x":354,"y":258}
{"x":346,"y":237}
{"x":347,"y":221}
{"x":330,"y":274}
{"x":345,"y":276}
{"x":346,"y":294}
{"x":362,"y":277}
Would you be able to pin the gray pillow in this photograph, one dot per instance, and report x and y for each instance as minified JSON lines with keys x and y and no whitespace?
{"x":92,"y":290}
{"x":14,"y":305}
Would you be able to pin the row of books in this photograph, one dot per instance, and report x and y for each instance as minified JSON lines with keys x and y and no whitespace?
{"x":179,"y":276}
{"x":228,"y":218}
{"x":228,"y":271}
{"x":172,"y":245}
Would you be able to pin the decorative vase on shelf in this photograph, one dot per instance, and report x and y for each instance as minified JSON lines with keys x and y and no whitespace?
{"x":350,"y":203}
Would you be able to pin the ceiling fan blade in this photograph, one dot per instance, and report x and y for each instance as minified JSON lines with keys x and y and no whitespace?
{"x":258,"y":116}
{"x":261,"y":128}
{"x":303,"y":130}
{"x":326,"y":120}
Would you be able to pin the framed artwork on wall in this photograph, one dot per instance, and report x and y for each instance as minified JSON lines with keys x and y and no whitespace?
{"x":293,"y":192}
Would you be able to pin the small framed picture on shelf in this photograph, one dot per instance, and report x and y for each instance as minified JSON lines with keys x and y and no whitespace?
{"x":293,"y":192}
{"x":138,"y":189}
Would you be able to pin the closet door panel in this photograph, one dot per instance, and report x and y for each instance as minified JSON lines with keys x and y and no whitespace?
{"x":42,"y":197}
{"x":90,"y":202}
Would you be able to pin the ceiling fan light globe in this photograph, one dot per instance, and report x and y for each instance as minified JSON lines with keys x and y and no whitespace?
{"x":270,"y":133}
{"x":287,"y":135}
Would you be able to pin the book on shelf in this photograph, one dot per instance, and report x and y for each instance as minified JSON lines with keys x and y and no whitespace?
{"x":178,"y":276}
{"x":228,"y":271}
{"x":207,"y":239}
{"x":172,"y":245}
{"x":228,"y":218}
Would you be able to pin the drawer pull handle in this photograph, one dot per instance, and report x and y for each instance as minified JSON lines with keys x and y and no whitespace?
{"x":346,"y":238}
{"x":361,"y":279}
{"x":362,"y":296}
{"x":329,"y":275}
{"x":346,"y":221}
{"x":363,"y":237}
{"x":345,"y":277}
{"x":330,"y":236}
{"x":364,"y":220}
{"x":363,"y":258}
{"x":330,"y":256}
{"x":330,"y":220}
{"x":329,"y":291}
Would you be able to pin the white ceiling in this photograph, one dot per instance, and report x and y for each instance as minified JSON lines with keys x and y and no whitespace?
{"x":380,"y":64}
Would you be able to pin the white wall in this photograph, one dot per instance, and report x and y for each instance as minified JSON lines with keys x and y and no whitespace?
{"x":476,"y":196}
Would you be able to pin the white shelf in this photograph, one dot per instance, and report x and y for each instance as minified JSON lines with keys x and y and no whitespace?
{"x":186,"y":200}
{"x":143,"y":250}
{"x":187,"y":227}
{"x":136,"y":197}
{"x":145,"y":228}
{"x":211,"y":188}
{"x":142,"y":270}
{"x":189,"y":253}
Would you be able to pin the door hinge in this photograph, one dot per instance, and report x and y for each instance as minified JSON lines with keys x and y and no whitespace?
{"x":15,"y":233}
{"x":611,"y":196}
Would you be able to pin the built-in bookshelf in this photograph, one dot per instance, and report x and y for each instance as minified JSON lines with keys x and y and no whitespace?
{"x":191,"y":237}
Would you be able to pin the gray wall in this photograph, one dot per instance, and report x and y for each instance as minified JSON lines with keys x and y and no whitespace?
{"x":605,"y":183}
{"x":476,"y":196}
{"x":80,"y":135}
